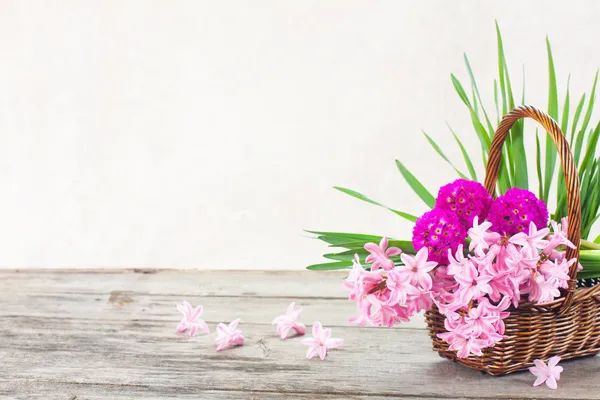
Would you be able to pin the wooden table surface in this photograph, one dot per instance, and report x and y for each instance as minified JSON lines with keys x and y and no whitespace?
{"x":77,"y":335}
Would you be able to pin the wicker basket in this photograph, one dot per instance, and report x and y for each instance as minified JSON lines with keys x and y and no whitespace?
{"x":570,"y":325}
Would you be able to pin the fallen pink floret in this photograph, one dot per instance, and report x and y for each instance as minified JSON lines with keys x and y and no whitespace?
{"x":191,"y":320}
{"x":547,"y":373}
{"x":321,"y":341}
{"x":229,"y":336}
{"x":288,"y":321}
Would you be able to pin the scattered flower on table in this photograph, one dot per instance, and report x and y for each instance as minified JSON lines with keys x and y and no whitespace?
{"x":288,"y":321}
{"x":228,"y":335}
{"x":321,"y":341}
{"x":191,"y":319}
{"x":547,"y":373}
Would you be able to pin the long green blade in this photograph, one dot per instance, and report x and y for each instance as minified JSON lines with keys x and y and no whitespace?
{"x":416,"y":186}
{"x":364,"y":198}
{"x":330,"y":266}
{"x":441,"y":154}
{"x":550,"y":163}
{"x":466,"y":156}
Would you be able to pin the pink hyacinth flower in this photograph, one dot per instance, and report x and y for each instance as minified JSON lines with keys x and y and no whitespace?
{"x":285,"y":323}
{"x":418,"y":268}
{"x":380,"y":255}
{"x":480,"y":236}
{"x":229,"y":335}
{"x":547,"y":373}
{"x":534,"y":239}
{"x":321,"y":341}
{"x":191,"y":319}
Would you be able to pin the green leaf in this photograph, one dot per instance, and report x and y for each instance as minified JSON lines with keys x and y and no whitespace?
{"x":405,"y":245}
{"x":538,"y":164}
{"x":501,"y":70}
{"x":461,"y":92}
{"x":441,"y":154}
{"x":466,"y":156}
{"x":362,"y":197}
{"x":597,"y":240}
{"x":550,"y":164}
{"x":576,"y":119}
{"x":348,"y":255}
{"x":330,"y":266}
{"x":564,"y":127}
{"x":477,"y":95}
{"x":416,"y":186}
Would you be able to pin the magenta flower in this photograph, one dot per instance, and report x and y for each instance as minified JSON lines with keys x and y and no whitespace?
{"x":321,"y":341}
{"x":380,"y":255}
{"x":547,"y":373}
{"x":465,"y":199}
{"x":534,"y":239}
{"x":229,"y":335}
{"x":285,"y":323}
{"x":515,"y":210}
{"x":191,"y":319}
{"x":418,"y":268}
{"x":438,"y":231}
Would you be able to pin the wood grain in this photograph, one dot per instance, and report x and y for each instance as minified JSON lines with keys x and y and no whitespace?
{"x":77,"y":335}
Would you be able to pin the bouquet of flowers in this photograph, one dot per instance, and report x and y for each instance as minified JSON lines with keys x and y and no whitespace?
{"x":489,"y":270}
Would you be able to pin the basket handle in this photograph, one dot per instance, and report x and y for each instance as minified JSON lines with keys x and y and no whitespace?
{"x":570,"y":173}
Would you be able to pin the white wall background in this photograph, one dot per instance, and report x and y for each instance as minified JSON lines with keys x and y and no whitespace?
{"x":208,"y":134}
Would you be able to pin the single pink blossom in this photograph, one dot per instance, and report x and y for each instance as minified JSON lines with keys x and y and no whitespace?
{"x":400,"y":287}
{"x":480,"y":322}
{"x":321,"y":341}
{"x":285,"y":323}
{"x":542,"y":290}
{"x":229,"y":335}
{"x":380,"y":255}
{"x":463,"y":344}
{"x":191,"y":319}
{"x":473,"y":285}
{"x":534,"y":239}
{"x":460,"y":264}
{"x":547,"y":373}
{"x":481,"y":238}
{"x":418,"y":268}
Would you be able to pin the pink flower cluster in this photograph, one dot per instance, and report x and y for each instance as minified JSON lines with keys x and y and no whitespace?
{"x":474,"y":290}
{"x":391,"y":294}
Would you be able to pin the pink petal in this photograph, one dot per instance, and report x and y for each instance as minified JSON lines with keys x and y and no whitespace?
{"x":383,"y":244}
{"x":553,"y":361}
{"x":193,"y":330}
{"x":312,"y":351}
{"x":310,"y":342}
{"x":322,"y":352}
{"x":551,"y":382}
{"x":539,"y":381}
{"x":197,"y":312}
{"x":222,"y":330}
{"x":317,"y":329}
{"x":181,"y":327}
{"x":285,"y":331}
{"x":393,"y":251}
{"x":234,"y":324}
{"x":290,"y":308}
{"x":299,"y":328}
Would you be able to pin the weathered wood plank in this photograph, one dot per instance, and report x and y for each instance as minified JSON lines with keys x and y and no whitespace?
{"x":296,"y":284}
{"x":123,"y":305}
{"x":95,"y":336}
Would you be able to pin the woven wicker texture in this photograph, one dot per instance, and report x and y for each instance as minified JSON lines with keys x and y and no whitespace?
{"x":570,"y":325}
